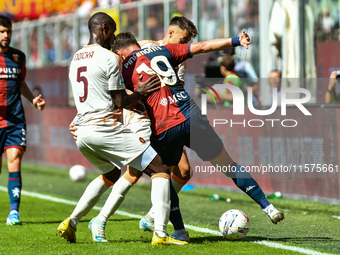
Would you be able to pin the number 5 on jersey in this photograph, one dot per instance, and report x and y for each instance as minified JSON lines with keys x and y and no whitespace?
{"x":83,"y":79}
{"x":169,"y":75}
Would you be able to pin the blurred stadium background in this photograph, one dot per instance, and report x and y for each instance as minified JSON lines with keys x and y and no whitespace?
{"x":299,"y":37}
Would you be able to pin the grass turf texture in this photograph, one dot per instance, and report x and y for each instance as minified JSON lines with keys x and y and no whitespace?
{"x":308,"y":224}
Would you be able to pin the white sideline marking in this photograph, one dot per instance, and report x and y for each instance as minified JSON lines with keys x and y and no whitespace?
{"x":194,"y":228}
{"x":291,"y":248}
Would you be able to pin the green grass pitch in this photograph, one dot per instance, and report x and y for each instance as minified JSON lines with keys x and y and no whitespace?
{"x":309,"y":227}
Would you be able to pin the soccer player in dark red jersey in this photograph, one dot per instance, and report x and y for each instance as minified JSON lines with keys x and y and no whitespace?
{"x":12,"y":118}
{"x":175,"y":117}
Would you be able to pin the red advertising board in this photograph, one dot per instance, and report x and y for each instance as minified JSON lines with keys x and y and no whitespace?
{"x":314,"y":140}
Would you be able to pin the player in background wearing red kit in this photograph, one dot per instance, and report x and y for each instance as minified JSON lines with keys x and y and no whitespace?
{"x":12,"y":117}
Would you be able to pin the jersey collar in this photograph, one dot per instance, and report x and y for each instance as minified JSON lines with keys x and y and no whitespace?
{"x":133,"y":52}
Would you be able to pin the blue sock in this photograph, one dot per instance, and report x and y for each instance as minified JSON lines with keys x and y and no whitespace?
{"x":264,"y":203}
{"x":14,"y":190}
{"x":175,"y":212}
{"x":247,"y":184}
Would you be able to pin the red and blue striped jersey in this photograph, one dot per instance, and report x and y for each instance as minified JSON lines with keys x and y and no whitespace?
{"x":171,"y":105}
{"x":12,"y":72}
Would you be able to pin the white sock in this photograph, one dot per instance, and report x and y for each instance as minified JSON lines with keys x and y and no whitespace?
{"x":151,"y":214}
{"x":116,"y":197}
{"x":160,"y":198}
{"x":177,"y":186}
{"x":148,"y":216}
{"x":89,"y":198}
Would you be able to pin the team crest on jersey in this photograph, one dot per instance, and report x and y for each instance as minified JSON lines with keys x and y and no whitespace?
{"x":16,"y":58}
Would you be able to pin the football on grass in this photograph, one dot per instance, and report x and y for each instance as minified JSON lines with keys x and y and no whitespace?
{"x":234,"y":224}
{"x":77,"y":173}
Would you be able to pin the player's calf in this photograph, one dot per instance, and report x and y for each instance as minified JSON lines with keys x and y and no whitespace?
{"x":160,"y":194}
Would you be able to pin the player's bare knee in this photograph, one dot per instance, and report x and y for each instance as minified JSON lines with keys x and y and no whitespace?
{"x":182,"y":173}
{"x":135,"y":172}
{"x":113,"y":175}
{"x":14,"y":159}
{"x":185,"y":172}
{"x":156,"y":166}
{"x":132,"y":175}
{"x":14,"y":165}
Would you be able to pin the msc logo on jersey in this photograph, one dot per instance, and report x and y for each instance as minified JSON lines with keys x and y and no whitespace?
{"x":174,"y":99}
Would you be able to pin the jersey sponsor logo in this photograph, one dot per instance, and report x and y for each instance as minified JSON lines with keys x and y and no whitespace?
{"x":8,"y":76}
{"x":174,"y":99}
{"x":83,"y":55}
{"x":9,"y":72}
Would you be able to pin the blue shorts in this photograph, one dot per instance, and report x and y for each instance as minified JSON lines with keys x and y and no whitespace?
{"x":195,"y":133}
{"x":13,"y":137}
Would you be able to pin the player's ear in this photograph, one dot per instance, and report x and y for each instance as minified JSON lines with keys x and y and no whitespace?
{"x":223,"y":70}
{"x":171,"y":33}
{"x":105,"y":28}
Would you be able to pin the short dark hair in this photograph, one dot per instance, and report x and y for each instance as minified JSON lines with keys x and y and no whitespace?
{"x":5,"y":21}
{"x":123,"y":40}
{"x":184,"y":24}
{"x":98,"y":18}
{"x":228,"y":62}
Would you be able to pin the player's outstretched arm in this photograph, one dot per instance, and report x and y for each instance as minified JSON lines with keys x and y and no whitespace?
{"x":219,"y":44}
{"x":123,"y":100}
{"x":38,"y":102}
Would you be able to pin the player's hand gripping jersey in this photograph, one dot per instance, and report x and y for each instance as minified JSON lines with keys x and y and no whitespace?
{"x":91,"y":85}
{"x":170,"y":105}
{"x":12,"y":72}
{"x":135,"y":115}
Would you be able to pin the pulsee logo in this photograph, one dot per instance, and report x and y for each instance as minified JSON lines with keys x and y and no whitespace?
{"x":239,"y":105}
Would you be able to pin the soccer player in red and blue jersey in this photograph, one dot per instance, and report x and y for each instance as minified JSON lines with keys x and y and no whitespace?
{"x":175,"y":117}
{"x":12,"y":118}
